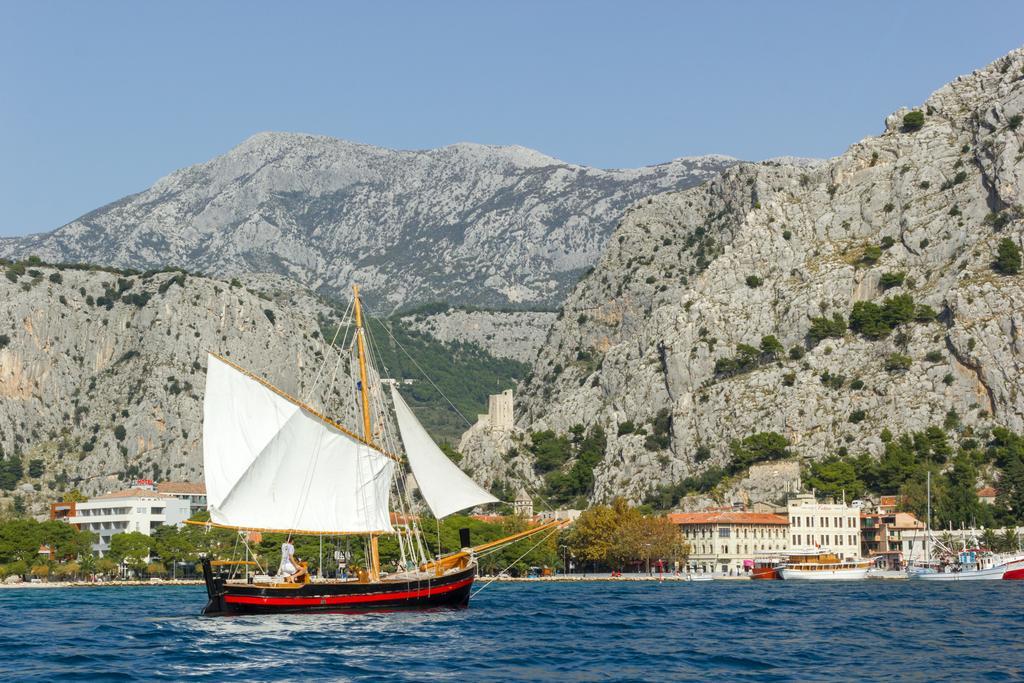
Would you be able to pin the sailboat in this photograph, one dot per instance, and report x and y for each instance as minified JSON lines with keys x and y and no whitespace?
{"x":275,"y":464}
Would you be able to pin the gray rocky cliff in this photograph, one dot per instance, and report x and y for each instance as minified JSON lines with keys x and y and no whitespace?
{"x":672,"y":294}
{"x":504,"y":334}
{"x":102,"y":374}
{"x":464,"y":224}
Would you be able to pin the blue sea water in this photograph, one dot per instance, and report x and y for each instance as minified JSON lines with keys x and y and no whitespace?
{"x":637,"y":631}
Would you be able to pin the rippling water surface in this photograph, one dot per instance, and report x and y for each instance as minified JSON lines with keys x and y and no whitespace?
{"x":583,"y":631}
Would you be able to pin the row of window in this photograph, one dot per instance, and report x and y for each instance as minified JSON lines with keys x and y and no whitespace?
{"x":709,"y":548}
{"x":101,"y":512}
{"x":741,"y":532}
{"x":837,"y":522}
{"x":110,"y":512}
{"x":824,"y":539}
{"x":98,"y":526}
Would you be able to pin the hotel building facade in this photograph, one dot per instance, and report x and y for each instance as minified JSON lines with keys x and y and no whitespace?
{"x":727,"y":542}
{"x":831,"y":526}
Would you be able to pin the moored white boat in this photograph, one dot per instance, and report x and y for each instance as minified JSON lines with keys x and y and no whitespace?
{"x":823,"y":565}
{"x":972,"y":565}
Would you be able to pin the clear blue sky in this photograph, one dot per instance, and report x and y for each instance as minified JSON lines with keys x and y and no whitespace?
{"x":99,"y":99}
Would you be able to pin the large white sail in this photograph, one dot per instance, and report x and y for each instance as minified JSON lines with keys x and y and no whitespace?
{"x":270,"y":464}
{"x":444,"y":486}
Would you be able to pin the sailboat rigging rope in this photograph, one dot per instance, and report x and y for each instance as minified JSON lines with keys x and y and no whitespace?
{"x":404,"y":495}
{"x":252,"y":553}
{"x":426,"y":376}
{"x":320,"y":371}
{"x":423,"y":372}
{"x":532,"y":548}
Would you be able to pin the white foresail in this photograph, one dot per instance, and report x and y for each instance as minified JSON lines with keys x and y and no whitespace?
{"x":444,"y":486}
{"x":270,"y":464}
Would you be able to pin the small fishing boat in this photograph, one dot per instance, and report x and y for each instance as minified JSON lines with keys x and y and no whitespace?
{"x":275,"y":464}
{"x":766,"y":566}
{"x":944,"y":563}
{"x":975,"y":564}
{"x":822,"y":565}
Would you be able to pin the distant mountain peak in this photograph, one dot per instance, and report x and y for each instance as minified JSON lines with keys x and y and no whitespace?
{"x":465,"y":223}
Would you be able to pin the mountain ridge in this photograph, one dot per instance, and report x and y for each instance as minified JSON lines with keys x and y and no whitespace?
{"x":466,"y":223}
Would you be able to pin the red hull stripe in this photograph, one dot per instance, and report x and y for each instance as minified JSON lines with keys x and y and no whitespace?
{"x":348,"y":599}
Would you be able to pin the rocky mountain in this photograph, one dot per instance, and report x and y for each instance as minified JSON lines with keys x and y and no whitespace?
{"x":463,"y":224}
{"x":825,"y":302}
{"x":102,"y":373}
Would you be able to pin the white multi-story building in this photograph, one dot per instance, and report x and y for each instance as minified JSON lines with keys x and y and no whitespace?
{"x":834,"y":526}
{"x":193,"y":492}
{"x":122,"y":512}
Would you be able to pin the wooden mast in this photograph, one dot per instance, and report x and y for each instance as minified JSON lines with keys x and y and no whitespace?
{"x":364,"y":391}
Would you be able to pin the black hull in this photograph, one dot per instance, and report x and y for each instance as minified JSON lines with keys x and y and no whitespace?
{"x":450,"y":590}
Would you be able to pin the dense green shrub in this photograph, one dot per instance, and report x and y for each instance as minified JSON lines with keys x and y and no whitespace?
{"x":924,"y":313}
{"x":756,"y":448}
{"x":892,"y":279}
{"x":824,"y":328}
{"x":1015,"y":121}
{"x":874,"y":322}
{"x":754,"y":281}
{"x":746,"y":359}
{"x":1007,"y":257}
{"x":857,"y":416}
{"x":771,"y":347}
{"x":887,"y":242}
{"x":626,"y":427}
{"x":797,"y":352}
{"x":933,"y":356}
{"x":139,"y":299}
{"x":871,"y":254}
{"x":898,"y":362}
{"x":550,"y":450}
{"x":661,"y":431}
{"x":913,"y":121}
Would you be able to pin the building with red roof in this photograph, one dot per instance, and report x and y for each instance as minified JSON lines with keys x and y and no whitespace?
{"x":727,"y":540}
